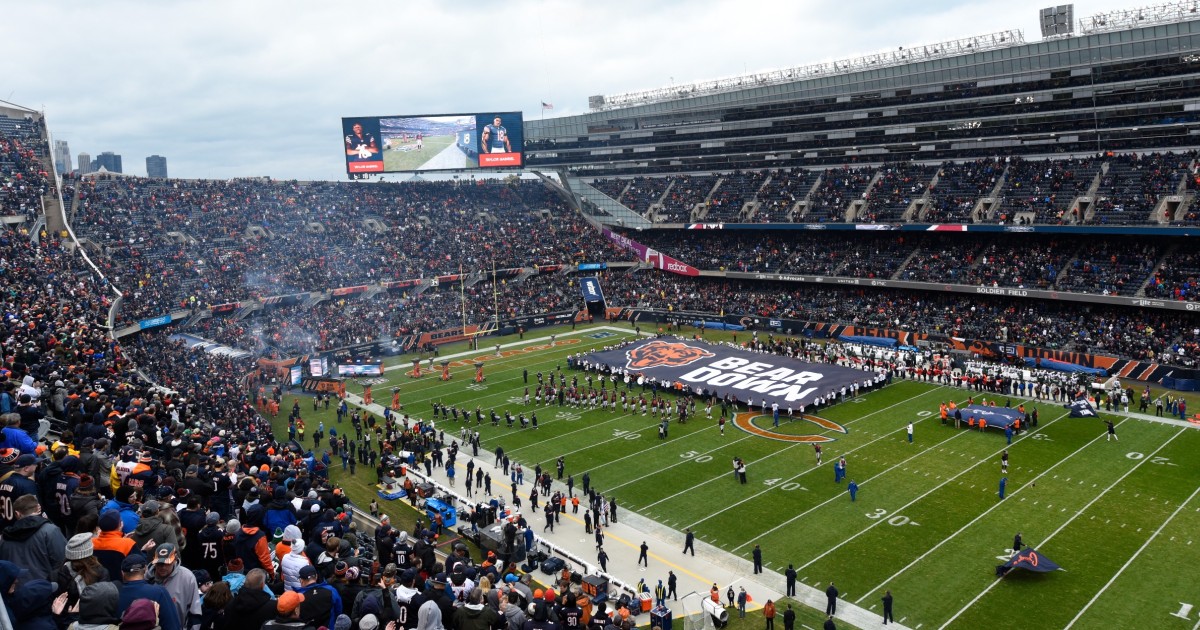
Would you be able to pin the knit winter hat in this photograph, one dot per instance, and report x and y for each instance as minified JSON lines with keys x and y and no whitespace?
{"x":141,"y":615}
{"x":342,"y":623}
{"x":110,"y":521}
{"x":98,"y":603}
{"x":79,"y":547}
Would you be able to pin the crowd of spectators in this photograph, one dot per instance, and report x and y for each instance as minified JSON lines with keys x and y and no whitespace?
{"x":643,"y":192}
{"x":279,"y":331}
{"x":837,"y":188}
{"x":1134,"y":184}
{"x":1118,"y":331}
{"x":735,"y":191}
{"x":611,"y":187}
{"x":895,"y":190}
{"x":1130,"y":186}
{"x":959,"y":186}
{"x":1046,"y":188}
{"x":1112,"y":267}
{"x":177,"y":244}
{"x":1082,"y":264}
{"x":880,"y":257}
{"x":1032,"y":264}
{"x":780,"y":194}
{"x":23,"y":176}
{"x":686,"y":191}
{"x":1177,"y":277}
{"x":941,"y":261}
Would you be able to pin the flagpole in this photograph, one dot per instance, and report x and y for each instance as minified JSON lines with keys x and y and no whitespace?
{"x":495,"y":295}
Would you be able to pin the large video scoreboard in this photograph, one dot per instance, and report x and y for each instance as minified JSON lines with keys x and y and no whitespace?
{"x":443,"y":142}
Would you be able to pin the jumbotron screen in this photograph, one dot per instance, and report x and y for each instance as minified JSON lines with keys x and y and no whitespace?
{"x":444,"y":142}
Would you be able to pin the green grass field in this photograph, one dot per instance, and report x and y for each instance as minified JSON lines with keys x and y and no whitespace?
{"x":1119,"y":517}
{"x":412,"y":160}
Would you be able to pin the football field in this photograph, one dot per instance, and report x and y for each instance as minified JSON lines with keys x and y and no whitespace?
{"x":404,"y":156}
{"x":1119,"y":517}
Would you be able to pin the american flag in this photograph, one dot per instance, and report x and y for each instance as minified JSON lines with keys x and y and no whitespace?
{"x":546,"y":105}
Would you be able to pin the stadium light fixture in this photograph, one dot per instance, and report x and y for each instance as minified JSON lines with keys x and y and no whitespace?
{"x":901,"y":56}
{"x":1179,"y":11}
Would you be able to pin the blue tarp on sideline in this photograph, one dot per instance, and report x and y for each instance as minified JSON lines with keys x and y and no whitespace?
{"x":1063,"y":366}
{"x":886,"y":342}
{"x":709,"y":325}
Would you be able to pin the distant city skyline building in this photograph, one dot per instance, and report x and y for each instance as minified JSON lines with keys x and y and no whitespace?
{"x":62,"y":157}
{"x":85,"y":163}
{"x":110,"y":161}
{"x":156,"y":166}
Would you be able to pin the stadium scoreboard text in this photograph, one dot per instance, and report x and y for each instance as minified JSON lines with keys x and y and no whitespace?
{"x":440,"y":142}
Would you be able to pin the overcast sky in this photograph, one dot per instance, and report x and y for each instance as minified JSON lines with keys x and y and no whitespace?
{"x":247,"y":88}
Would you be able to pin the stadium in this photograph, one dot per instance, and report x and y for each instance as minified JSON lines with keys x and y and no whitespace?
{"x":906,"y":338}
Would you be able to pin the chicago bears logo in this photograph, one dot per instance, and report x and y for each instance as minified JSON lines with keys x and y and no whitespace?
{"x":664,"y":354}
{"x":745,"y":422}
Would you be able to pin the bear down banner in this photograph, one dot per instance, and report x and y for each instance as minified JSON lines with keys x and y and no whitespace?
{"x":760,"y":379}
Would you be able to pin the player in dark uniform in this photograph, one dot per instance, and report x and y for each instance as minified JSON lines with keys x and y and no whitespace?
{"x":360,"y":145}
{"x":495,"y":138}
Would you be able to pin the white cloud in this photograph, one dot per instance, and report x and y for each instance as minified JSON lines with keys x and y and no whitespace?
{"x":227,"y":88}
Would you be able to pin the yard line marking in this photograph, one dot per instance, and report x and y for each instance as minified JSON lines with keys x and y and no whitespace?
{"x":898,"y":510}
{"x":582,"y":345}
{"x":1133,"y":557}
{"x":679,"y":463}
{"x":784,"y":450}
{"x":835,"y":497}
{"x":437,"y":387}
{"x":976,"y":519}
{"x":585,"y":427}
{"x":1067,"y":522}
